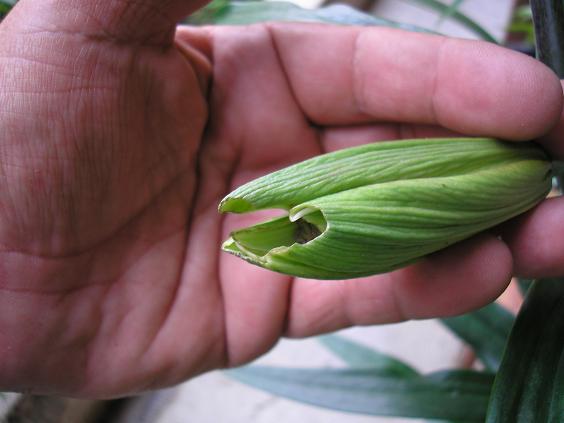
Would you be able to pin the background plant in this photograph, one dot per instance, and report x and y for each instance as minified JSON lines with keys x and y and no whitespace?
{"x":5,"y":6}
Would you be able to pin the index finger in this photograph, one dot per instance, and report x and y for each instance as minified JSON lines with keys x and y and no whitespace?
{"x":348,"y":75}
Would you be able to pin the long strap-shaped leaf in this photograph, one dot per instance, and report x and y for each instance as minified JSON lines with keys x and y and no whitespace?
{"x":485,"y":330}
{"x":461,"y":396}
{"x":452,"y":8}
{"x":249,"y":12}
{"x":530,"y":384}
{"x":458,"y":16}
{"x":5,"y":6}
{"x":548,"y":19}
{"x":361,"y":357}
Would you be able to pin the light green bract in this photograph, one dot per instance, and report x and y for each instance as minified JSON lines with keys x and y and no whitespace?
{"x":378,"y":207}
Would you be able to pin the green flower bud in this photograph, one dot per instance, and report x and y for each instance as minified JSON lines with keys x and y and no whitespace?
{"x":378,"y":207}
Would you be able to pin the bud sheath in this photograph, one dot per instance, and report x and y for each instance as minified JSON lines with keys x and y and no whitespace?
{"x":375,"y":208}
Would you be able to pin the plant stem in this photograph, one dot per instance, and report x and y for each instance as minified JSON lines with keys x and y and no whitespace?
{"x":548,"y":18}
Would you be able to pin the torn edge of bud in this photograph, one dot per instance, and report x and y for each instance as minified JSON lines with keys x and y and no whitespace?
{"x":256,"y":243}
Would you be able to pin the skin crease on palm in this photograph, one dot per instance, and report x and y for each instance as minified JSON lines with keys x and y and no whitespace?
{"x":119,"y":136}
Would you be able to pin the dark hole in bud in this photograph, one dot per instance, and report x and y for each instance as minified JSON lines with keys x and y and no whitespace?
{"x":305,"y":231}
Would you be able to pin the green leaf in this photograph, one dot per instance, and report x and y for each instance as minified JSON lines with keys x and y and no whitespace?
{"x":209,"y":13}
{"x":457,"y":395}
{"x":461,"y":18}
{"x":485,"y":330}
{"x":525,"y":285}
{"x":522,"y":23}
{"x":451,"y":9}
{"x":529,"y":386}
{"x":249,"y":12}
{"x":548,"y":21}
{"x":524,"y":13}
{"x":4,"y":9}
{"x":358,"y":356}
{"x":6,"y":5}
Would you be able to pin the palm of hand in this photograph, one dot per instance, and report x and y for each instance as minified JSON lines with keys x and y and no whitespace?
{"x":97,"y":215}
{"x":113,"y":217}
{"x":113,"y":281}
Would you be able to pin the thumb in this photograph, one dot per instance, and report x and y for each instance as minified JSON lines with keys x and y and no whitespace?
{"x":129,"y":21}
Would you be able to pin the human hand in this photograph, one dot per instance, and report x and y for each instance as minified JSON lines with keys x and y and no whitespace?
{"x":119,"y":138}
